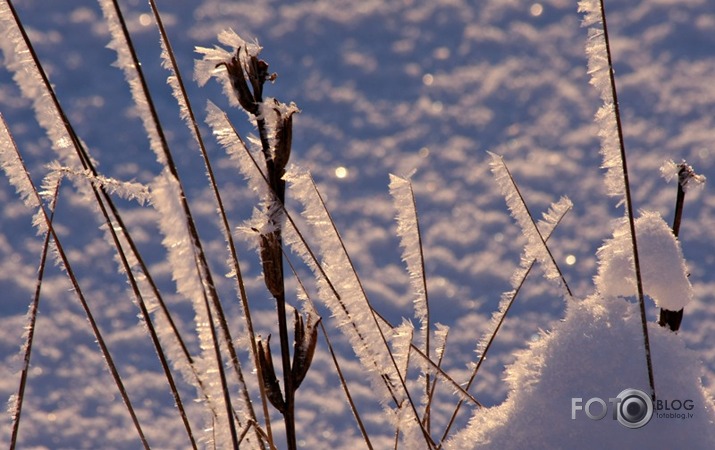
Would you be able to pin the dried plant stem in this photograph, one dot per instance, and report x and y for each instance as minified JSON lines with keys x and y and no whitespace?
{"x":672,"y":319}
{"x":433,"y":387}
{"x":321,"y":272}
{"x":272,"y":257}
{"x":241,"y":72}
{"x":629,"y":205}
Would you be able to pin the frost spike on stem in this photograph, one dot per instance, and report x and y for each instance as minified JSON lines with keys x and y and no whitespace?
{"x":16,"y":411}
{"x":408,"y":229}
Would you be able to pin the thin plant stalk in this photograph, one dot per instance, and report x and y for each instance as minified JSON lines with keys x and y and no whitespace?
{"x":419,"y":283}
{"x":672,"y":319}
{"x":34,"y":307}
{"x":433,"y":387}
{"x":629,"y":205}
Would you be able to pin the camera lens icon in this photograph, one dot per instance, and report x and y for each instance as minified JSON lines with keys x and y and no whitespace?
{"x":635,"y":408}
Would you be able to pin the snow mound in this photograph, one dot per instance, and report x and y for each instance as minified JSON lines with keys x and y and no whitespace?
{"x":597,"y":351}
{"x":664,"y":272}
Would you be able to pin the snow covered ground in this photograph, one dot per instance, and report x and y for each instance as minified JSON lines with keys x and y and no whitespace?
{"x":383,"y":87}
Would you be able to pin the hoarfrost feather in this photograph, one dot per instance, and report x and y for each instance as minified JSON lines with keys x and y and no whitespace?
{"x":165,"y":197}
{"x":339,"y":287}
{"x":125,"y":62}
{"x":13,"y":167}
{"x":411,"y":243}
{"x":600,"y":72}
{"x":683,"y":173}
{"x":536,"y":246}
{"x":237,"y":151}
{"x":128,"y":190}
{"x":27,"y":76}
{"x":591,"y":10}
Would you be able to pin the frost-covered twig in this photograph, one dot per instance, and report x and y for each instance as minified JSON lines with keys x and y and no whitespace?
{"x":441,"y":333}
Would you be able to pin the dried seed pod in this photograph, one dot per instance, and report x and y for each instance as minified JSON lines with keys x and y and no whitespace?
{"x":306,"y":338}
{"x":270,"y":381}
{"x":258,"y":74}
{"x":283,"y":134}
{"x":271,"y":258}
{"x":240,"y":87}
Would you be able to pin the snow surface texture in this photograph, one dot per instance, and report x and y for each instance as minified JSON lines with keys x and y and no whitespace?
{"x":384,"y":87}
